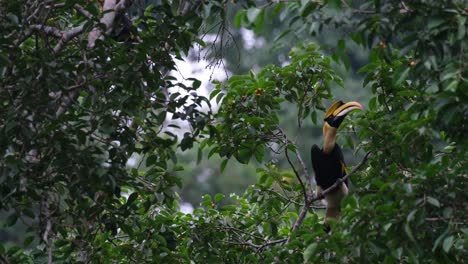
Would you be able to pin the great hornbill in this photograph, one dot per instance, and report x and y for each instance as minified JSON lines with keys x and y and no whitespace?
{"x":328,"y":162}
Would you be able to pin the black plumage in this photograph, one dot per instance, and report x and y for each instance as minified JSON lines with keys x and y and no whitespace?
{"x":328,"y":167}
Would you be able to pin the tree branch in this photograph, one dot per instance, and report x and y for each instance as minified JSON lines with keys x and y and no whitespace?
{"x":304,"y":191}
{"x":259,"y":247}
{"x":304,"y":169}
{"x":67,"y":36}
{"x":271,"y":242}
{"x":53,"y":31}
{"x":110,"y":8}
{"x":83,"y":11}
{"x":46,"y":219}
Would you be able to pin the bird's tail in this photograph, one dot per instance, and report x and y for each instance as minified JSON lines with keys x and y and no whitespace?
{"x":333,"y":200}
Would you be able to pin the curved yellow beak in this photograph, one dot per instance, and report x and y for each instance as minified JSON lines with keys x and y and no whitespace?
{"x":344,"y":109}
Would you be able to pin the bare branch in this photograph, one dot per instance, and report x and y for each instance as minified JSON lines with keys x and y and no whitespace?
{"x":304,"y":191}
{"x":83,"y":11}
{"x":67,"y":36}
{"x":259,"y":247}
{"x":22,"y":38}
{"x":4,"y":259}
{"x":238,"y":230}
{"x":46,"y":219}
{"x":357,"y":11}
{"x":307,"y":176}
{"x":111,"y":9}
{"x":301,"y":161}
{"x":271,"y":242}
{"x":37,"y":28}
{"x":47,"y":30}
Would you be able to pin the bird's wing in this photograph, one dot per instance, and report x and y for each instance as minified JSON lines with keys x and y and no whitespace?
{"x":339,"y":156}
{"x":316,"y":154}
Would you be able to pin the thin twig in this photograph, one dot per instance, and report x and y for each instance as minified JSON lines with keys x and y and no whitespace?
{"x":304,"y":170}
{"x":83,"y":11}
{"x":298,"y":176}
{"x":239,"y":230}
{"x":67,"y":36}
{"x":53,"y":31}
{"x":4,"y":259}
{"x":304,"y":191}
{"x":271,"y":242}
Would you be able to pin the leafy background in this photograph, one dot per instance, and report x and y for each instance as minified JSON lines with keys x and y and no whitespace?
{"x":101,"y":142}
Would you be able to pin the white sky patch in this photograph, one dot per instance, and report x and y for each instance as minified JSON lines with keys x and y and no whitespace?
{"x":199,"y":69}
{"x":186,"y":208}
{"x":250,"y":41}
{"x":132,"y":162}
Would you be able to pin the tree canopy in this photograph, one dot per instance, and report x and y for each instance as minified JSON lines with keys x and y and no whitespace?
{"x":88,"y":85}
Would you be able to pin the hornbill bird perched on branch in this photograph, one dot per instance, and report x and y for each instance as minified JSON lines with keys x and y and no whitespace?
{"x":328,"y":162}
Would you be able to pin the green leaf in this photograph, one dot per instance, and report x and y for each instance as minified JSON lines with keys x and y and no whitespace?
{"x":187,"y":142}
{"x":239,"y":18}
{"x":292,"y":147}
{"x":214,"y":93}
{"x":259,"y":21}
{"x":28,"y":241}
{"x":127,"y":229}
{"x":447,"y":244}
{"x":461,"y":27}
{"x":13,"y":18}
{"x":149,"y":9}
{"x":435,"y":22}
{"x":259,"y":153}
{"x":200,"y":42}
{"x":409,"y":233}
{"x":4,"y":60}
{"x":252,"y":14}
{"x":452,"y":87}
{"x":433,"y":201}
{"x":199,"y":155}
{"x":341,"y":44}
{"x":244,"y":155}
{"x":206,"y":201}
{"x":282,"y":35}
{"x":449,"y":74}
{"x":373,"y":103}
{"x":219,"y":97}
{"x":11,"y":219}
{"x":223,"y":165}
{"x":308,"y":8}
{"x":313,"y":117}
{"x":400,"y":75}
{"x":218,"y":197}
{"x":336,"y":4}
{"x":196,"y":84}
{"x":132,"y":198}
{"x":310,"y":251}
{"x":439,"y":239}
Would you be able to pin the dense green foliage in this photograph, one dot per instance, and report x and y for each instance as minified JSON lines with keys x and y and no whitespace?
{"x":75,"y":108}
